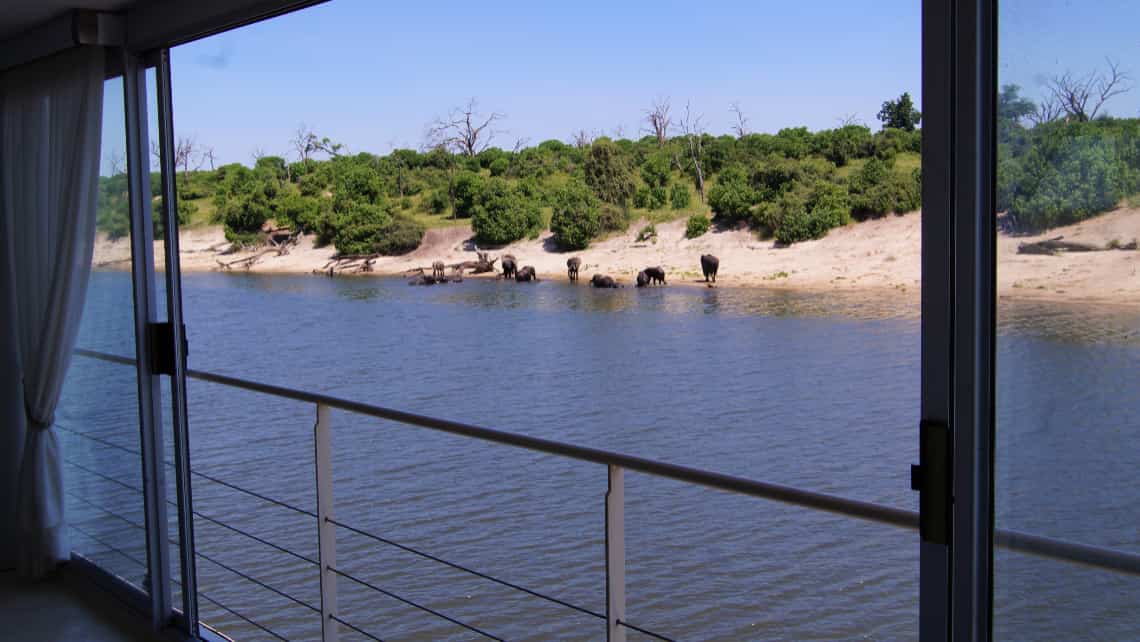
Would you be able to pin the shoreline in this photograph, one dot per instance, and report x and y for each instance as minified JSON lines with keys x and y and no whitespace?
{"x":880,"y":257}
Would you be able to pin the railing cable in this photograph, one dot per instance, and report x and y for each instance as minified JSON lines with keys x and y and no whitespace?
{"x":485,"y":576}
{"x":257,"y":582}
{"x":355,"y":628}
{"x":196,"y":473}
{"x":421,"y":607}
{"x":644,"y":631}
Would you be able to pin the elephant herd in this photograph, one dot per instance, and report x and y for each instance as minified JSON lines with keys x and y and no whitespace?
{"x":646,"y":277}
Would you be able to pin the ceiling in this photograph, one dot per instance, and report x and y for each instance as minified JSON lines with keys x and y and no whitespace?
{"x":20,"y":15}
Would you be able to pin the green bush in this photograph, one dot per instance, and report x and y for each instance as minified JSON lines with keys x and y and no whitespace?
{"x":504,"y":215}
{"x":468,"y":191}
{"x":575,"y":219}
{"x":642,"y":198}
{"x":609,"y":172}
{"x":731,"y":198}
{"x":300,"y":212}
{"x":655,"y":171}
{"x":500,"y":166}
{"x":680,"y":197}
{"x":877,"y":189}
{"x":401,"y":235}
{"x":657,"y":197}
{"x":436,"y":202}
{"x":613,"y":218}
{"x":1070,"y":171}
{"x":810,"y":215}
{"x":697,"y":225}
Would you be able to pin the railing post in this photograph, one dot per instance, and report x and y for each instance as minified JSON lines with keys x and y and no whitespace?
{"x":615,"y":555}
{"x":326,"y":531}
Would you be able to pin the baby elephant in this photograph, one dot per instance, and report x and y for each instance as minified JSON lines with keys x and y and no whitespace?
{"x":526,"y":274}
{"x":603,"y":281}
{"x":437,"y":270}
{"x":572,"y":266}
{"x":709,"y":265}
{"x":642,"y":279}
{"x":655,"y":274}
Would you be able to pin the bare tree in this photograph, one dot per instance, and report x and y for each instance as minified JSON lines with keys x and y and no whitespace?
{"x":847,"y":120}
{"x":116,"y":160}
{"x":658,"y":120}
{"x":741,"y":126}
{"x":619,"y":132}
{"x":208,"y":155}
{"x":1082,"y":98}
{"x":1047,"y":111}
{"x":465,"y":130}
{"x":582,"y":138}
{"x":305,"y":143}
{"x":693,"y":130}
{"x":520,"y":143}
{"x":187,"y":156}
{"x":258,"y":153}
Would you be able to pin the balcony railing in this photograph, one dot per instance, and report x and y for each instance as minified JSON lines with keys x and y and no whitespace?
{"x":616,"y":624}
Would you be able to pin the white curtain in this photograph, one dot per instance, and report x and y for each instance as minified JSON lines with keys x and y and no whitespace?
{"x":51,"y":116}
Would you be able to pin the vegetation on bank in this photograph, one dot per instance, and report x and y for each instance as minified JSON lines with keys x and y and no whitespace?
{"x":792,"y":186}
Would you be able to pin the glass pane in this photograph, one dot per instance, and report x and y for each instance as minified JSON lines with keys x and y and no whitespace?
{"x":98,"y":414}
{"x":799,"y":367}
{"x":1068,"y":350}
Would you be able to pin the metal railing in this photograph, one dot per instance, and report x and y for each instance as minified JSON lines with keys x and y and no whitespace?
{"x":614,"y":503}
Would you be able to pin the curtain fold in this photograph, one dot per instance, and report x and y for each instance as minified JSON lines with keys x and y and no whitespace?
{"x":51,"y":116}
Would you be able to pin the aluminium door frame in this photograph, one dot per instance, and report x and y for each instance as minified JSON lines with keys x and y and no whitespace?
{"x":959,"y":74}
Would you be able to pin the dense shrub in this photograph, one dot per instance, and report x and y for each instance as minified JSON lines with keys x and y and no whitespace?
{"x":697,"y":225}
{"x":468,"y":191}
{"x":680,"y":197}
{"x":843,"y":144}
{"x":300,"y":212}
{"x":731,"y":198}
{"x":436,"y":202}
{"x":655,"y":171}
{"x":810,"y":214}
{"x":359,"y":227}
{"x":575,"y":219}
{"x":614,"y":218}
{"x":878,"y":189}
{"x":609,"y":172}
{"x":504,"y":215}
{"x":401,"y":235}
{"x":500,"y":166}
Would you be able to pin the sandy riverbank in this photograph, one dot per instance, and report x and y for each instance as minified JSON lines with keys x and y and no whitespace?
{"x":879,"y":255}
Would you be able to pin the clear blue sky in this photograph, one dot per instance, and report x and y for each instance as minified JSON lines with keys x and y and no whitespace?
{"x":373,"y":75}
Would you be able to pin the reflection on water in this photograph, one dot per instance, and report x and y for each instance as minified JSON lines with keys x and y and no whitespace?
{"x":815,"y":390}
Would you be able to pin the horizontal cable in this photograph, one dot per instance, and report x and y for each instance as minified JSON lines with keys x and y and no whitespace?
{"x":196,"y":473}
{"x":355,"y":628}
{"x":433,"y":558}
{"x":102,"y":542}
{"x":1108,"y":559}
{"x":100,"y":475}
{"x":104,"y":510}
{"x":200,"y":593}
{"x":257,"y":539}
{"x":239,"y":615}
{"x":263,"y":498}
{"x":411,"y":603}
{"x":257,"y":582}
{"x":644,"y":631}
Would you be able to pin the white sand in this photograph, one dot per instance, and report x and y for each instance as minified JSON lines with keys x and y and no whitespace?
{"x":878,"y":255}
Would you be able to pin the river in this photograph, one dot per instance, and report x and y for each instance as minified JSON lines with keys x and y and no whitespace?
{"x":816,"y":391}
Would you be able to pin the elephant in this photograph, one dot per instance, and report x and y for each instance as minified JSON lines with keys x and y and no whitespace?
{"x":572,"y":266}
{"x":437,"y":270}
{"x":526,"y":274}
{"x":642,"y":279}
{"x":655,"y":274}
{"x":603,"y":281}
{"x":709,"y":265}
{"x":510,"y":266}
